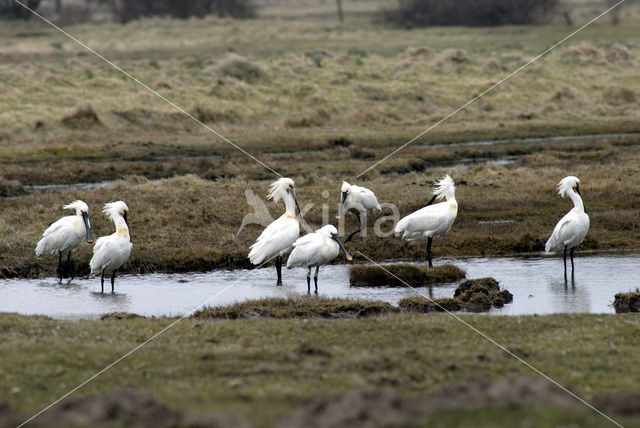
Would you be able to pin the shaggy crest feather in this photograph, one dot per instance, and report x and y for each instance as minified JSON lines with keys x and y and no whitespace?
{"x":345,"y":186}
{"x":444,"y":186}
{"x":112,"y":208}
{"x":276,"y":188}
{"x":567,"y":183}
{"x":77,"y":205}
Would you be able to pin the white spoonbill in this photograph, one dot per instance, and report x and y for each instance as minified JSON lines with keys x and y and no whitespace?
{"x":362,"y":200}
{"x":66,"y":235}
{"x":316,"y":249}
{"x":280,"y":235}
{"x":573,"y":227}
{"x":432,"y":220}
{"x":110,"y":252}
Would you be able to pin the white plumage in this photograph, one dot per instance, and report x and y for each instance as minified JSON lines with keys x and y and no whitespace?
{"x":316,"y":249}
{"x":432,"y":220}
{"x":66,"y":234}
{"x":111,"y":252}
{"x":573,"y":227}
{"x":280,"y":235}
{"x":360,"y":199}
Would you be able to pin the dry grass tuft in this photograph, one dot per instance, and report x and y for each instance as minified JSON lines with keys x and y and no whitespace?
{"x":240,"y":68}
{"x":302,"y":307}
{"x":584,"y":53}
{"x":456,"y":56}
{"x":10,"y":187}
{"x":618,"y":53}
{"x":420,"y":51}
{"x":568,"y":96}
{"x":415,"y":275}
{"x":81,"y":117}
{"x":618,"y":95}
{"x":208,"y":114}
{"x":422,"y":304}
{"x":314,"y":118}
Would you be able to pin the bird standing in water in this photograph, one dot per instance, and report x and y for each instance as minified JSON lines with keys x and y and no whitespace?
{"x":432,"y":220}
{"x":316,"y":249}
{"x":280,"y":235}
{"x":66,"y":235}
{"x":573,"y":227}
{"x":110,"y":252}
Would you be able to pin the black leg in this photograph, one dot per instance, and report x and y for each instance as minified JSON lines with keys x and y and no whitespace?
{"x":113,"y":279}
{"x":60,"y":266}
{"x":309,"y":280}
{"x":572,"y":271}
{"x":315,"y":278}
{"x":102,"y":282}
{"x":565,"y":264}
{"x":279,"y":269}
{"x":429,"y":242}
{"x":70,"y":266}
{"x":352,"y":234}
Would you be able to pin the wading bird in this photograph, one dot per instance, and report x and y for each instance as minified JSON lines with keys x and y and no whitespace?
{"x":432,"y":220}
{"x":362,"y":200}
{"x":66,"y":235}
{"x":110,"y":252}
{"x":573,"y":227}
{"x":316,"y":249}
{"x":280,"y":235}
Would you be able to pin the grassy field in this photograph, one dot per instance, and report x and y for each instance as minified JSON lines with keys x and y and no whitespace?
{"x":263,"y":370}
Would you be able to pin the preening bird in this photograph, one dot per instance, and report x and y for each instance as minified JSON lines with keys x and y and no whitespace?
{"x":280,"y":235}
{"x":110,"y":252}
{"x":316,"y":249}
{"x":360,"y":199}
{"x":432,"y":220}
{"x":573,"y":227}
{"x":66,"y":235}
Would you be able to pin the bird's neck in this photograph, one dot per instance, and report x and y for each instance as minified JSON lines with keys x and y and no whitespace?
{"x":576,"y":199}
{"x":121,"y":225}
{"x":290,"y":205}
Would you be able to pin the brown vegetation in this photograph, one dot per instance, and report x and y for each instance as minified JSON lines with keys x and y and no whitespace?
{"x":399,"y":275}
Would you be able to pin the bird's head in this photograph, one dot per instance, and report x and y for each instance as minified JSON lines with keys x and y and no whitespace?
{"x":346,"y":188}
{"x":330,"y":231}
{"x":281,"y":189}
{"x":568,"y":183}
{"x":82,"y":210}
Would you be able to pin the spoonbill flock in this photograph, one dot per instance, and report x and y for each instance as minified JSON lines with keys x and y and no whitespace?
{"x":311,"y":250}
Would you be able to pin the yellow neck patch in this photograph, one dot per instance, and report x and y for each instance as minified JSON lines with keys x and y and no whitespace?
{"x":122,"y":232}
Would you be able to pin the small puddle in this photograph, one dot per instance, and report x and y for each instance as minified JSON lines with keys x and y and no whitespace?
{"x":536,"y":283}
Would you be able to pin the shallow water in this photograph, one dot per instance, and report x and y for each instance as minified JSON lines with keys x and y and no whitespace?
{"x":536,"y":283}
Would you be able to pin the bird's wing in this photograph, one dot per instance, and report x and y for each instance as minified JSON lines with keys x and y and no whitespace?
{"x":57,"y":235}
{"x":306,"y":250}
{"x":277,"y":237}
{"x":368,"y":199}
{"x":560,"y":233}
{"x":424,"y":219}
{"x":109,"y":251}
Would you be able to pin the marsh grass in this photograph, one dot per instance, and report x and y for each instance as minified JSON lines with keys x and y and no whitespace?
{"x":627,"y":302}
{"x":399,"y":275}
{"x":300,"y":307}
{"x":473,"y":295}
